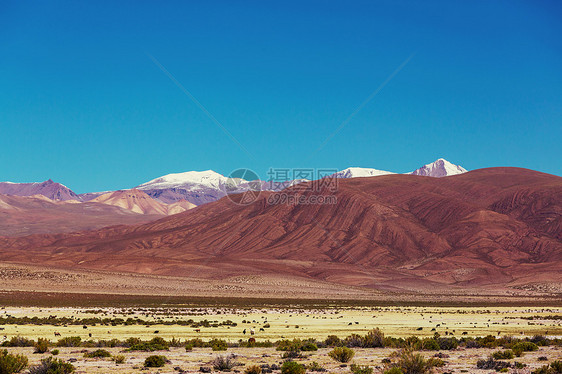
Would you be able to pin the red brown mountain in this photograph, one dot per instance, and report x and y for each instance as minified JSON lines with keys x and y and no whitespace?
{"x":25,"y":215}
{"x":492,"y":227}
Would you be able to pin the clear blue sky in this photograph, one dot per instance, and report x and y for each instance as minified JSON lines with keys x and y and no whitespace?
{"x":82,"y":102}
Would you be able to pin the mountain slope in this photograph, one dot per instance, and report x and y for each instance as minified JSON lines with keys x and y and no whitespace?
{"x":25,"y":215}
{"x":139,"y":202}
{"x":179,"y":207}
{"x":439,"y":168}
{"x":50,"y":189}
{"x":386,"y":232}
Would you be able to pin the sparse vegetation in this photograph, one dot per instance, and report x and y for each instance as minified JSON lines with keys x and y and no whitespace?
{"x":525,"y":346}
{"x":374,"y":339}
{"x":94,"y":321}
{"x":315,"y":366}
{"x":10,"y":363}
{"x":218,"y":345}
{"x":342,"y":354}
{"x":501,"y":348}
{"x":224,"y":363}
{"x":408,"y":362}
{"x":70,"y":341}
{"x":333,"y":341}
{"x":503,"y":355}
{"x":18,"y":341}
{"x":155,"y":344}
{"x":297,"y":345}
{"x":429,"y":344}
{"x":447,"y":343}
{"x":155,"y":361}
{"x":492,"y":364}
{"x":555,"y":367}
{"x":292,"y":367}
{"x":42,"y":345}
{"x":98,"y":353}
{"x":436,"y":362}
{"x":51,"y":365}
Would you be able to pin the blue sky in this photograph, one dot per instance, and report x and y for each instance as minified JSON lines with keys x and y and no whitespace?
{"x":82,"y":102}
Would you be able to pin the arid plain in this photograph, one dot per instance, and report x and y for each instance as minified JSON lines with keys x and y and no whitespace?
{"x":180,"y":324}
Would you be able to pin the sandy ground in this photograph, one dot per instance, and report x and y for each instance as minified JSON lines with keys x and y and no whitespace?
{"x":15,"y":277}
{"x":26,"y":278}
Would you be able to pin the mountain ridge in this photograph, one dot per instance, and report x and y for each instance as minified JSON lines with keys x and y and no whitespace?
{"x":202,"y":187}
{"x":52,"y":190}
{"x":485,"y":228}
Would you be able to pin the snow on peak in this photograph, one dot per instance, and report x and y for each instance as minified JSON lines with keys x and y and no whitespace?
{"x":439,"y":168}
{"x":355,"y":172}
{"x":207,"y":178}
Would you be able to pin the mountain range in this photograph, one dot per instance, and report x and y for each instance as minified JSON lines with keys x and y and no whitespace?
{"x":201,"y":187}
{"x":436,"y":229}
{"x":487,"y":229}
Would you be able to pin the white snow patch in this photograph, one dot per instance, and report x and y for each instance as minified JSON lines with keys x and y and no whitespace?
{"x":356,"y":172}
{"x":439,"y":168}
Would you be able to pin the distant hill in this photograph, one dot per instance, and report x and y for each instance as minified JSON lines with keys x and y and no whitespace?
{"x":25,"y":215}
{"x":50,"y":189}
{"x":139,"y":202}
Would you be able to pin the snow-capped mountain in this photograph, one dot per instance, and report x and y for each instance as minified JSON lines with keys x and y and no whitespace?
{"x":50,"y":189}
{"x":195,"y":179}
{"x":439,"y":168}
{"x":197,"y":187}
{"x":201,"y":187}
{"x":355,"y":172}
